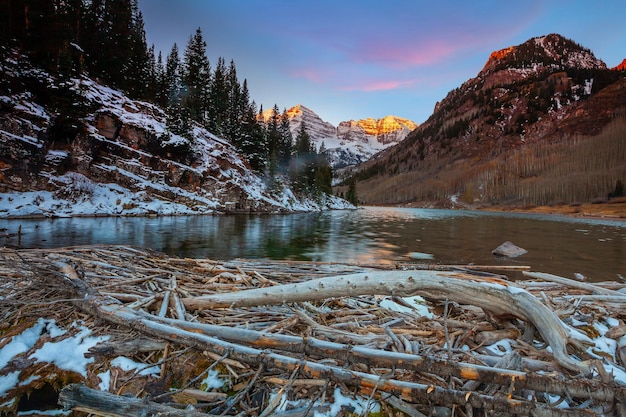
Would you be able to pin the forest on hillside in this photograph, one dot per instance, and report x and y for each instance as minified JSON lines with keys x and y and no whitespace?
{"x":572,"y":170}
{"x":105,"y":40}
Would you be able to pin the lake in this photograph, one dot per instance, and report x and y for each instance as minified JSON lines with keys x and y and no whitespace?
{"x":595,"y":248}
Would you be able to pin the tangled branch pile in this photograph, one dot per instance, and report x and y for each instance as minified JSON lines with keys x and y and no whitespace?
{"x":296,"y":338}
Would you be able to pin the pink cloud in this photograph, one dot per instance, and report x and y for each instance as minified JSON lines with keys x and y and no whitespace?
{"x":315,"y":75}
{"x":379,"y":85}
{"x":405,"y":55}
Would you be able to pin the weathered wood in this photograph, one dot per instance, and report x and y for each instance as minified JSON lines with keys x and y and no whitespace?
{"x":177,"y":332}
{"x":78,"y":397}
{"x":496,"y":296}
{"x":578,"y":388}
{"x":129,"y":347}
{"x":409,"y":391}
{"x":594,"y":289}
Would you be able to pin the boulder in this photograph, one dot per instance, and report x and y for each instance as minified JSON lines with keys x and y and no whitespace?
{"x":508,"y":249}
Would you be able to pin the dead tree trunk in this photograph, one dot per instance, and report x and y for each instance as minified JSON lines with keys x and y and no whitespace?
{"x":78,"y":397}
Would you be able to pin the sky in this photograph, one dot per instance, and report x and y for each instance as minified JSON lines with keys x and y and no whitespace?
{"x":355,"y":59}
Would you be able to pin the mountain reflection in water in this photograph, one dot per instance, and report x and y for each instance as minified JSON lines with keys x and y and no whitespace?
{"x":595,"y":248}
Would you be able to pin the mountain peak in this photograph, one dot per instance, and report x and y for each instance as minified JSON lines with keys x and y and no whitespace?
{"x":552,"y":50}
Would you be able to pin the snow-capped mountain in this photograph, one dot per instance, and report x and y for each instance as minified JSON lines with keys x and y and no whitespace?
{"x":353,"y":141}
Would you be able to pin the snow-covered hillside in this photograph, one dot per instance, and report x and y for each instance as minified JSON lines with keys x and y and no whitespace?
{"x":122,"y":161}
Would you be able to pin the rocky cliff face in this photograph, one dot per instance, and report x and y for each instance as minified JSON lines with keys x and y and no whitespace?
{"x":351,"y":142}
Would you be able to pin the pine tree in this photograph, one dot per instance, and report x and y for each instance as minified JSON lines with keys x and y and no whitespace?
{"x":323,"y":173}
{"x":286,"y":141}
{"x":117,"y":28}
{"x":196,"y":77}
{"x":274,"y":139}
{"x":351,"y":195}
{"x":302,"y":166}
{"x":218,"y":98}
{"x":160,"y":90}
{"x":93,"y":36}
{"x":253,"y":139}
{"x":172,"y":80}
{"x":236,"y":107}
{"x":140,"y":71}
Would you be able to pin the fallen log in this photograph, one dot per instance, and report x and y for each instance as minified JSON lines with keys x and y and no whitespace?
{"x":594,"y":289}
{"x":497,"y":296}
{"x":78,"y":397}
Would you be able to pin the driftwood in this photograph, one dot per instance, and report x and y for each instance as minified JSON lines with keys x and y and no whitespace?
{"x":78,"y":397}
{"x":306,"y":352}
{"x":375,"y":357}
{"x":415,"y":392}
{"x":594,"y":289}
{"x":496,"y":296}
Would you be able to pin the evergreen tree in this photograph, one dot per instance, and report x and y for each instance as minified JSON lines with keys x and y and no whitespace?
{"x":140,"y":70}
{"x":160,"y":93}
{"x":253,"y":139}
{"x":286,"y":141}
{"x":323,"y":173}
{"x":196,"y":77}
{"x":117,"y":28}
{"x":236,"y":106}
{"x":218,"y":99}
{"x":351,"y":195}
{"x":302,"y":166}
{"x":172,"y":80}
{"x":274,"y":139}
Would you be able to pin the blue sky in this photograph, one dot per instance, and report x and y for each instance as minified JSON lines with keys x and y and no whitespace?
{"x":354,"y":59}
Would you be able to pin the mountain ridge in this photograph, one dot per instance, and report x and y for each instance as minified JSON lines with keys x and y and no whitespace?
{"x":350,"y":142}
{"x":536,"y":94}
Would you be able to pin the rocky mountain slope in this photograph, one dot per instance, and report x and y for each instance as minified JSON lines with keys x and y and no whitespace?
{"x":515,"y":133}
{"x":115,"y":156}
{"x":351,"y":142}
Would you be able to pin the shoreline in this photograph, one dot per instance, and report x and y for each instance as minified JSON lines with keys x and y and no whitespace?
{"x":612,"y":210}
{"x":608,"y":210}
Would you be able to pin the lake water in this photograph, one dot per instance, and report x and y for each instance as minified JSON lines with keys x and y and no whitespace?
{"x":558,"y":245}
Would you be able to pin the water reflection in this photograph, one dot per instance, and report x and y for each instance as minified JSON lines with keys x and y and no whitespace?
{"x":594,"y":248}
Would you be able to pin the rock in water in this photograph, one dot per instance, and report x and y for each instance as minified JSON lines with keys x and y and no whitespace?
{"x":509,"y":249}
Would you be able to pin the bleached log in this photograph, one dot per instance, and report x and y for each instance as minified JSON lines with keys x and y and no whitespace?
{"x":594,"y":289}
{"x":78,"y":397}
{"x":497,"y":296}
